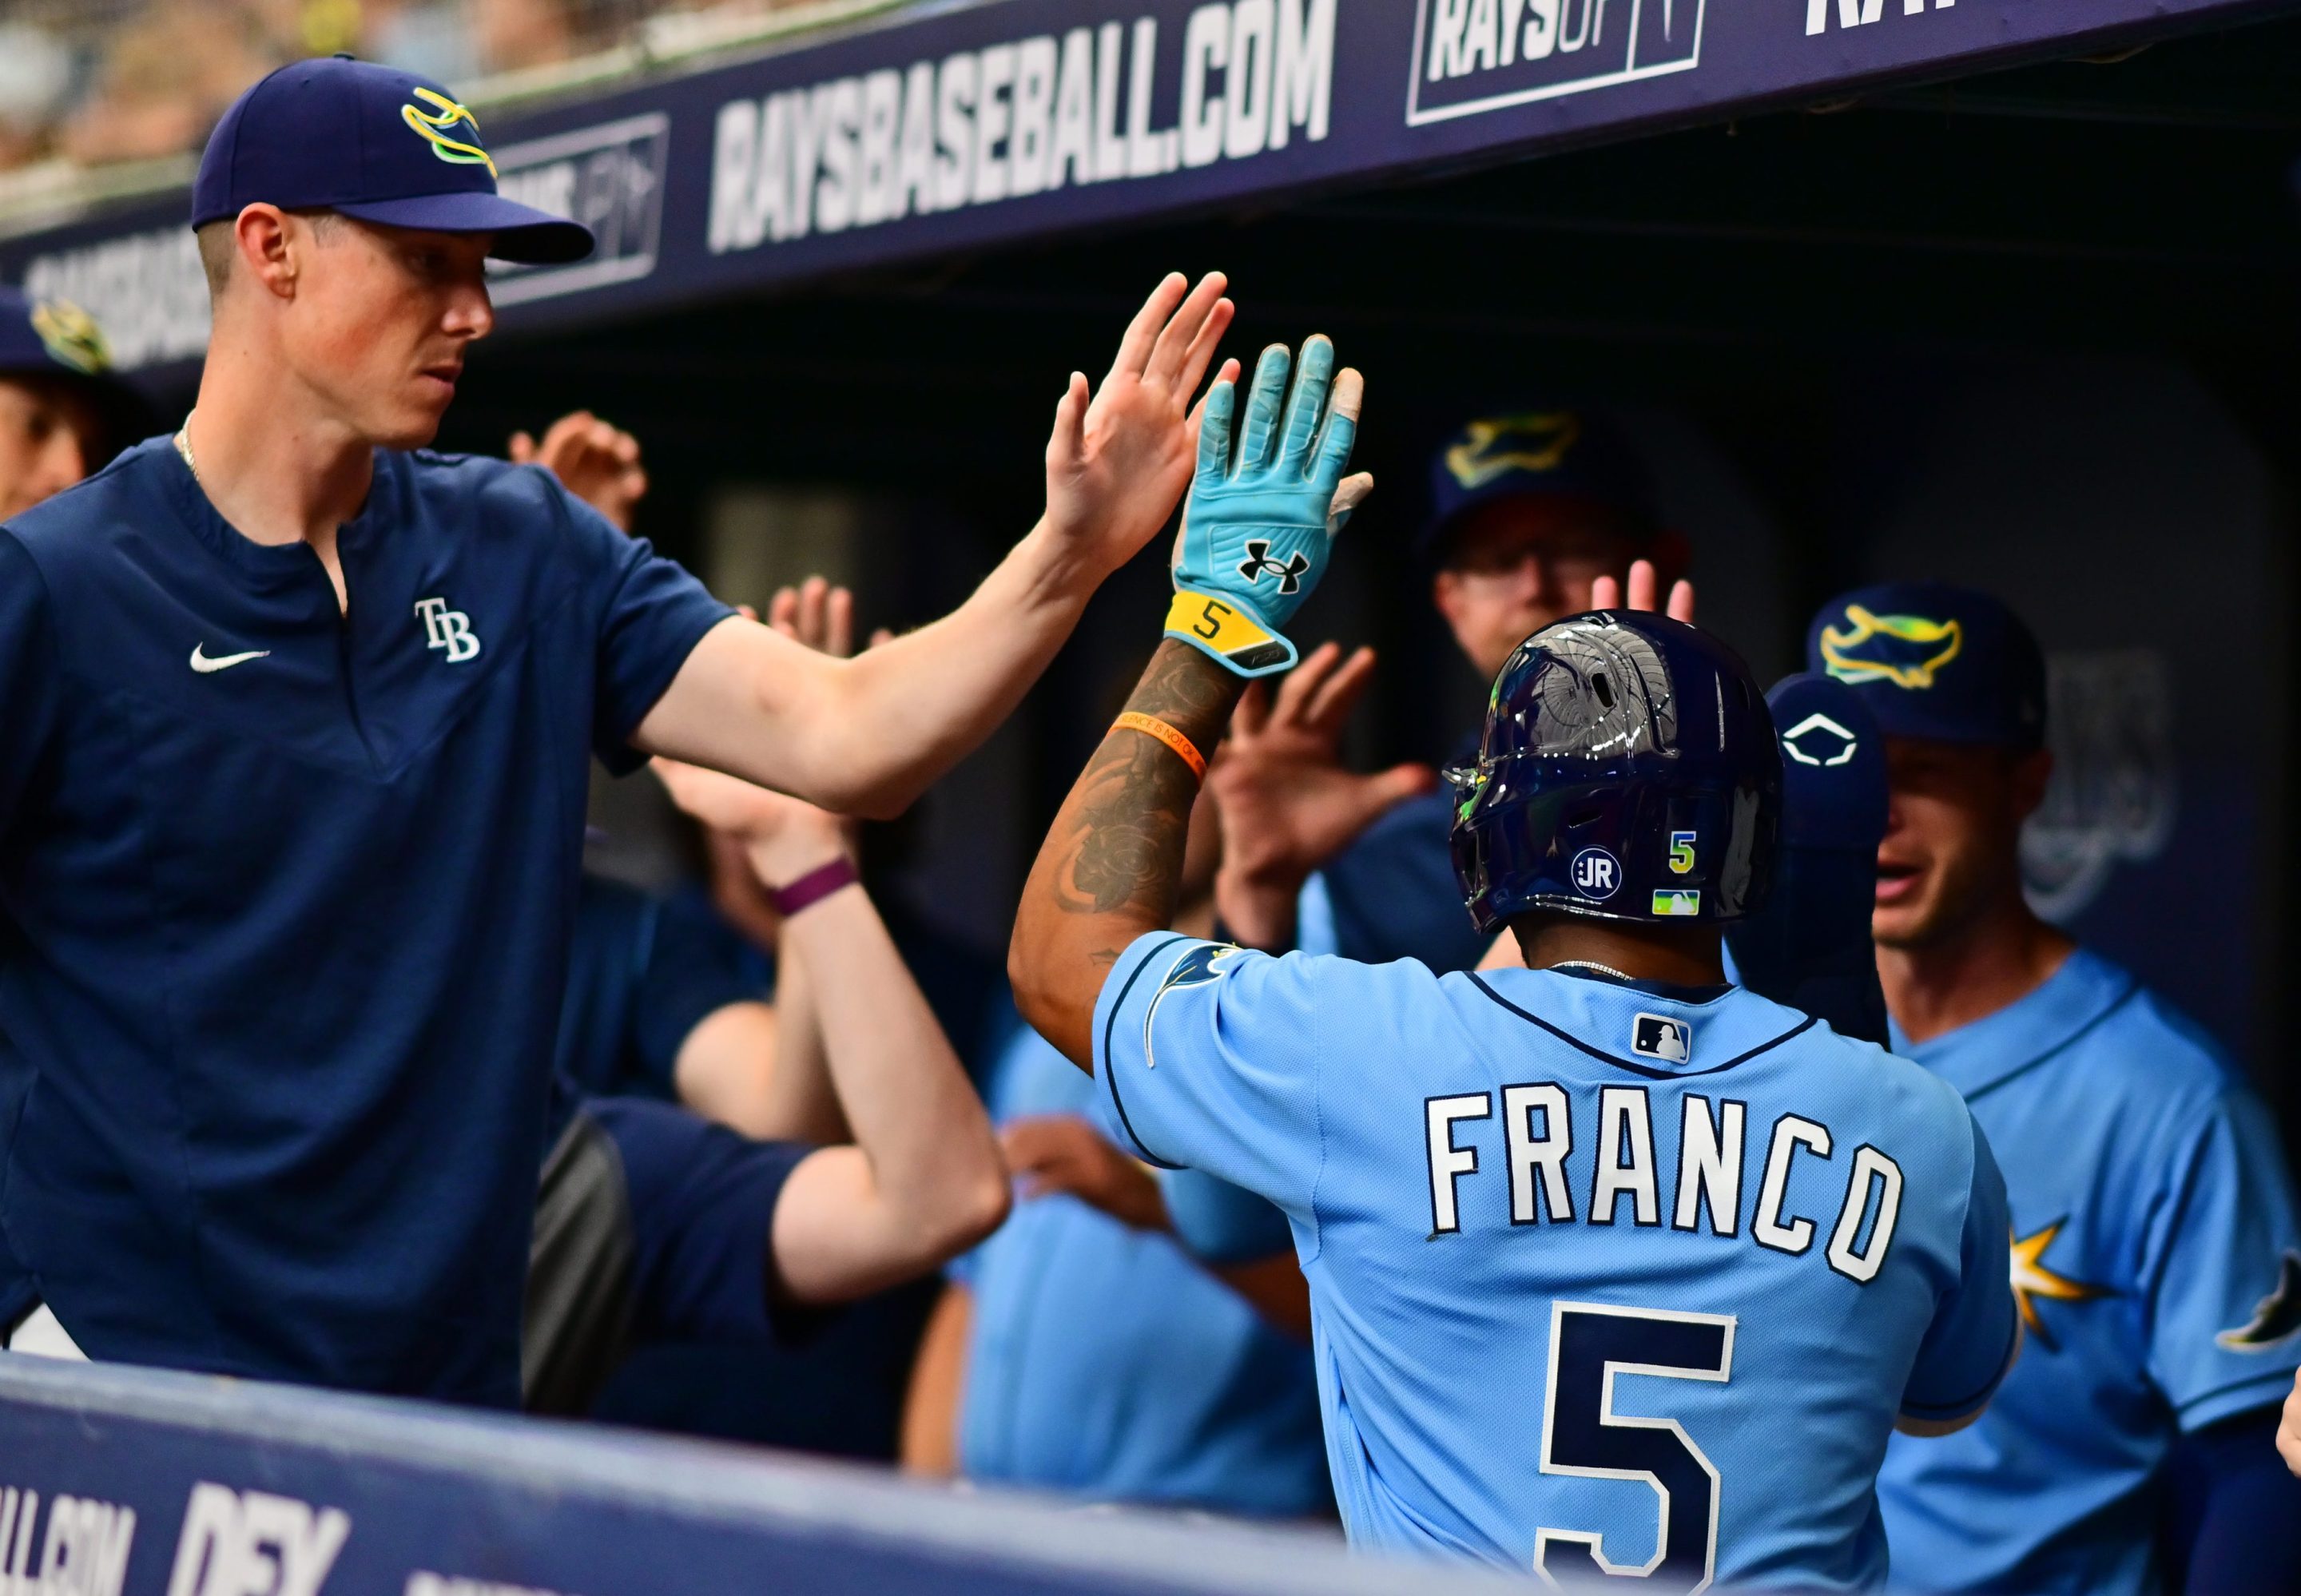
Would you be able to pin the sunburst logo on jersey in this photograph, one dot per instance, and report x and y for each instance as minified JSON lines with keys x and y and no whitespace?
{"x":2033,"y":1280}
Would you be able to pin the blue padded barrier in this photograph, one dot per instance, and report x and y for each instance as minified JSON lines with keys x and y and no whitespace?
{"x":117,"y":1480}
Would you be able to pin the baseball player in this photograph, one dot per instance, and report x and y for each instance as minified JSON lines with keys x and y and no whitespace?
{"x":1124,"y":1336}
{"x":1536,"y":513}
{"x":1089,"y":1347}
{"x":295,"y":722}
{"x":2156,"y":1256}
{"x":1614,"y":1268}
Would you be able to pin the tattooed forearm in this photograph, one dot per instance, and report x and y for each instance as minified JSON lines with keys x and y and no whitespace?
{"x":1133,"y":818}
{"x":1110,"y":866}
{"x":1130,"y":813}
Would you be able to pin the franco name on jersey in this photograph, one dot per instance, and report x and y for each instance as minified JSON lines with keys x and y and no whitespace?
{"x":1572,"y":1157}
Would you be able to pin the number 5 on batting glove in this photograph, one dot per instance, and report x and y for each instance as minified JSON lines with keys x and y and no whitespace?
{"x":1256,"y":535}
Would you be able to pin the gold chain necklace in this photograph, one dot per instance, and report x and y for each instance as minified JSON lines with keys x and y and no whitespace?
{"x":184,"y":448}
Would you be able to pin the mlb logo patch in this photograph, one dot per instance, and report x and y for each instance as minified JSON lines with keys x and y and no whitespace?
{"x":1657,"y":1036}
{"x":1672,"y":902}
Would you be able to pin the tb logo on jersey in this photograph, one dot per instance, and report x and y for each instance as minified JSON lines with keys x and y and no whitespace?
{"x":448,"y":629}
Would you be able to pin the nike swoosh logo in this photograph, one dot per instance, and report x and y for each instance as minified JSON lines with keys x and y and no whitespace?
{"x":206,"y":666}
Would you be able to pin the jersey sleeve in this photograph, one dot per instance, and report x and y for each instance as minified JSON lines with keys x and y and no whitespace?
{"x":31,"y":677}
{"x":2223,"y":1268}
{"x":1220,"y":1222}
{"x":650,"y":614}
{"x":1975,"y":1330}
{"x":1207,"y":1058}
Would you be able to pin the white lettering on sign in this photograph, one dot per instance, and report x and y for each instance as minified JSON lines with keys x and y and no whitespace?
{"x":254,"y":1543}
{"x":1018,"y":118}
{"x":610,"y":178}
{"x":423,"y":1583}
{"x":84,"y":1552}
{"x":145,"y":290}
{"x":1853,"y":13}
{"x":1477,"y":56}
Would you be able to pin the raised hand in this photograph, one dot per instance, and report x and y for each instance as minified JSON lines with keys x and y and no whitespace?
{"x":1061,"y":1153}
{"x":1258,"y":531}
{"x":1286,"y":802}
{"x":1606,"y":593}
{"x":597,"y":462}
{"x":1120,"y":457}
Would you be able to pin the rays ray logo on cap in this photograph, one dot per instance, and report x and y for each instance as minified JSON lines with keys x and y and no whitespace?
{"x":71,"y":335}
{"x":1906,"y":650}
{"x":1503,"y":443}
{"x":433,"y":127}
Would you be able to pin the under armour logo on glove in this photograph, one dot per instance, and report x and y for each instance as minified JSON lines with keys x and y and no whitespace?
{"x":1259,"y":565}
{"x":1258,"y":529}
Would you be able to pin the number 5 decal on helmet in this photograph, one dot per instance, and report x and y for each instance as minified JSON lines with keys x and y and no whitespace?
{"x":1590,"y":1344}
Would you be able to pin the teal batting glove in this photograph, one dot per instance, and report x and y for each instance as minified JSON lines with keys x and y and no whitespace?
{"x":1256,"y":535}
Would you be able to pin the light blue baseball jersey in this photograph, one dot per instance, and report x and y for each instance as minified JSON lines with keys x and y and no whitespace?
{"x":1601,"y":1273}
{"x":2158,"y":1268}
{"x":1104,"y":1362}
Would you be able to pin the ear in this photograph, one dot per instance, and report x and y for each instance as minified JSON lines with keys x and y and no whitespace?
{"x":1446,"y":595}
{"x":269,"y":244}
{"x":2032,"y":771}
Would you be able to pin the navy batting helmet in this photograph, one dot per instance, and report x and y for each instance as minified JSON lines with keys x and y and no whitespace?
{"x":1628,"y":772}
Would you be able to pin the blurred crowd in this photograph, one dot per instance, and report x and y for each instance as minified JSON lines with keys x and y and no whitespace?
{"x":93,"y":82}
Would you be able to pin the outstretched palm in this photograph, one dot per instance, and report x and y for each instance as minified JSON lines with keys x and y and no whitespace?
{"x":1288,"y":804}
{"x":1118,"y":463}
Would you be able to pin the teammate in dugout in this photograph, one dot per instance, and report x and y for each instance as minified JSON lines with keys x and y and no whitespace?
{"x":1580,"y":1235}
{"x":652,"y":1222}
{"x":294,"y":729}
{"x":1536,"y":513}
{"x":2157,"y":1258}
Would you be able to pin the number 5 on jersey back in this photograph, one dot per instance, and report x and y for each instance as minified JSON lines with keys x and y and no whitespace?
{"x":1591,"y":1343}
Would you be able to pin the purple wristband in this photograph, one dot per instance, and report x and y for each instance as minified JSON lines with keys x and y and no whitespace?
{"x":814,"y":886}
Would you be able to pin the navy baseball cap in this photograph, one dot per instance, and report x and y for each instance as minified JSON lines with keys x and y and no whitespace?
{"x":56,"y":338}
{"x":1934,"y":661}
{"x":374,"y":143}
{"x":1549,"y":452}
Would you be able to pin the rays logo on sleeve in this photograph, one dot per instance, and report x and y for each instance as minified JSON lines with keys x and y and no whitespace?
{"x":2275,"y":1317}
{"x":1203,"y":963}
{"x":434,"y":127}
{"x":1906,"y":650}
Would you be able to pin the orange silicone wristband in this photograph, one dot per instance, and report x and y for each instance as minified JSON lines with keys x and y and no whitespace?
{"x":1150,"y":725}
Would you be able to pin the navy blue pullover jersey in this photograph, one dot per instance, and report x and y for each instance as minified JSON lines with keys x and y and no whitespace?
{"x":290,"y":892}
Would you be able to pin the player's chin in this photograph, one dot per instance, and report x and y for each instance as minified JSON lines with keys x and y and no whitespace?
{"x":412,"y":426}
{"x":1907,"y":925}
